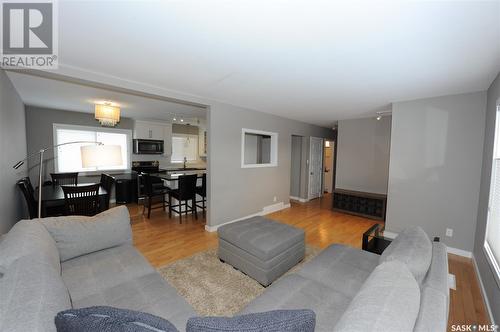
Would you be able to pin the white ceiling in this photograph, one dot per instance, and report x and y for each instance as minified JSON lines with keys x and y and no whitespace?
{"x":314,"y":61}
{"x":62,"y":95}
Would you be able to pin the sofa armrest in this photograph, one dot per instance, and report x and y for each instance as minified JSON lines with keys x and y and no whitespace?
{"x":78,"y":235}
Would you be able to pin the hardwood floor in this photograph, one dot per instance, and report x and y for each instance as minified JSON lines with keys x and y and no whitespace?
{"x":162,"y":241}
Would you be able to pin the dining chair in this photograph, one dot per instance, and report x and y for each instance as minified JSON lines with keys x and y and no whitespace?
{"x":202,"y":192}
{"x":107,"y":182}
{"x":185,"y":192}
{"x":61,"y":179}
{"x":81,"y":200}
{"x":153,"y":190}
{"x":29,"y":195}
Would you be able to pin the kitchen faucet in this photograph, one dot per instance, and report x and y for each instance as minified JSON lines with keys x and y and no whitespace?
{"x":185,"y":161}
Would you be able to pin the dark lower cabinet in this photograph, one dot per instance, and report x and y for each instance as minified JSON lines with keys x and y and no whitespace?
{"x":126,"y":190}
{"x":359,"y":203}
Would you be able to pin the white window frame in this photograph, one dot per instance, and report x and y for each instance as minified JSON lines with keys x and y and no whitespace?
{"x":274,"y":148}
{"x":197,"y":150}
{"x":127,"y":132}
{"x":490,"y":257}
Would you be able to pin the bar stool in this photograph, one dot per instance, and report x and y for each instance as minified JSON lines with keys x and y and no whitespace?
{"x":185,"y":192}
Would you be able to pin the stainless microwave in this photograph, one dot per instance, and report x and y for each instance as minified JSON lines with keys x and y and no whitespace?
{"x":148,"y":146}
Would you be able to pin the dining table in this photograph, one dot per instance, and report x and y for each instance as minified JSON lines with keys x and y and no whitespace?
{"x":53,"y":197}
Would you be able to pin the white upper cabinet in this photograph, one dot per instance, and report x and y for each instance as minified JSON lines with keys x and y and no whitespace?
{"x":149,"y":130}
{"x":156,"y":130}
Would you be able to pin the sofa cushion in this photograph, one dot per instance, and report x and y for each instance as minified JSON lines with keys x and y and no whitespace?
{"x":342,"y":268}
{"x":389,"y":301}
{"x":80,"y":235}
{"x":148,"y":293}
{"x":296,"y":292}
{"x":261,"y":237}
{"x":100,"y":270}
{"x":412,"y":247}
{"x":270,"y":321}
{"x":110,"y":319}
{"x":32,"y":293}
{"x":29,"y":237}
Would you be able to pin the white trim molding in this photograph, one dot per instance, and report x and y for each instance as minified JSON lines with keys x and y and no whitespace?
{"x":273,"y":162}
{"x":265,"y":210}
{"x":299,"y":199}
{"x":483,"y":290}
{"x":459,"y":252}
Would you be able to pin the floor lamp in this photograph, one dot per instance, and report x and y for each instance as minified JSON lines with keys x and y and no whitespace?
{"x":94,"y":155}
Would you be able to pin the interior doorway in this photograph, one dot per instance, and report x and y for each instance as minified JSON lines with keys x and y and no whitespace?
{"x":315,"y":167}
{"x":328,"y":166}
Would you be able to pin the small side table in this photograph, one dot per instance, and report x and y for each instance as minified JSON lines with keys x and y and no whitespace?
{"x":374,"y":241}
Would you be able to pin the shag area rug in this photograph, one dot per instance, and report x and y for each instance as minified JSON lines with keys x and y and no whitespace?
{"x":214,"y":288}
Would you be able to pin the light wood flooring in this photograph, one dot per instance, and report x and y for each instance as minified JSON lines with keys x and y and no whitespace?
{"x":162,"y":241}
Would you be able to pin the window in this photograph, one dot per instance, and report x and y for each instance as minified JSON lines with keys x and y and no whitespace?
{"x":258,"y":148}
{"x":184,"y":145}
{"x":492,"y":238}
{"x":68,"y":157}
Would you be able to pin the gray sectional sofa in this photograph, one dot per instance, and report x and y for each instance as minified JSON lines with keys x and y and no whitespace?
{"x":74,"y":262}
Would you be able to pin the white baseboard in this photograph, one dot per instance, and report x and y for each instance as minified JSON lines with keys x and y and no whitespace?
{"x":450,"y":250}
{"x":299,"y":199}
{"x":459,"y":252}
{"x":390,"y":235}
{"x":483,"y":291}
{"x":265,"y":210}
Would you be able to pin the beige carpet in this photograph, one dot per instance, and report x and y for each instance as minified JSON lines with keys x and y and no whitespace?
{"x":214,"y":288}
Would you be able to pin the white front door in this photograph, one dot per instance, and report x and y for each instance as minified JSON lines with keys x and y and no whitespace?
{"x":315,"y":167}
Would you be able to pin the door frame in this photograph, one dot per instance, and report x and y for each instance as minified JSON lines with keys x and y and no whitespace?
{"x":309,"y":196}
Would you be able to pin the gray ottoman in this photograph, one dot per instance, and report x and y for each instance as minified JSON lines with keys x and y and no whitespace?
{"x":261,"y":248}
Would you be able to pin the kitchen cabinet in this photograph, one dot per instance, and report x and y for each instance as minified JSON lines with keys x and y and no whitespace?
{"x":149,"y":130}
{"x":156,"y":130}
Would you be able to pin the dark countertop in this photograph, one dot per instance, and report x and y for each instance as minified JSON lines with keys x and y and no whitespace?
{"x":174,"y":176}
{"x":182,"y":169}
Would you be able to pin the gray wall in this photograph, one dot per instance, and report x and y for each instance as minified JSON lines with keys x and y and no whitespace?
{"x":236,"y":192}
{"x":435,"y":166}
{"x":487,"y":276}
{"x":295,"y":174}
{"x":363,"y":154}
{"x":39,"y":127}
{"x":12,"y":149}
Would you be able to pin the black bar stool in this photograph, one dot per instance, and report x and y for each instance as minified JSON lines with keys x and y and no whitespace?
{"x":185,"y":192}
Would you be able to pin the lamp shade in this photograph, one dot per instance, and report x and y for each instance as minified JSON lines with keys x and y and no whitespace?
{"x":101,"y":155}
{"x":107,"y":114}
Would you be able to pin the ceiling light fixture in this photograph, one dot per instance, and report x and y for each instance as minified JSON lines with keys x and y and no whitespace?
{"x":182,"y":120}
{"x":107,"y":113}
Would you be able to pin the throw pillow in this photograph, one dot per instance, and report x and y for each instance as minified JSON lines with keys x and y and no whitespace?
{"x":80,"y":235}
{"x":270,"y":321}
{"x":109,"y":319}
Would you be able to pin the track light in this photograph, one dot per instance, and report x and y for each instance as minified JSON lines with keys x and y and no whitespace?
{"x":381,"y":114}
